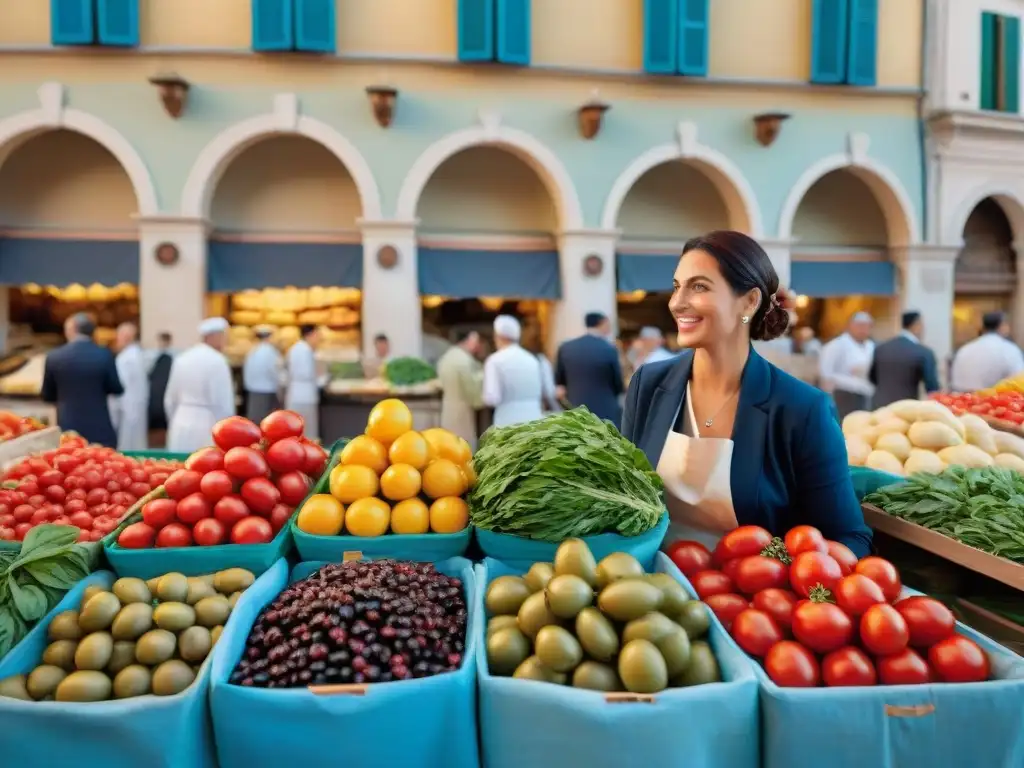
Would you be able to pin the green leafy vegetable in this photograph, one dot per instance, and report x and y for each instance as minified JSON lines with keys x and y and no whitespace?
{"x":566,"y":475}
{"x":406,"y":371}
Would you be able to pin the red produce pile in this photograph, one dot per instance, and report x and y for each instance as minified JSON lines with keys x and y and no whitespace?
{"x":813,"y":614}
{"x":241,"y":490}
{"x":77,"y":484}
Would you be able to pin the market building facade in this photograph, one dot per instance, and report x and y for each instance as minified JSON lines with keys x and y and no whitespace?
{"x":290,"y":161}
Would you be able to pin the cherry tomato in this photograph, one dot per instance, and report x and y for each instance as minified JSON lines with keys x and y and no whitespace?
{"x":843,"y":555}
{"x":744,"y":541}
{"x":848,"y":667}
{"x":791,"y":665}
{"x":81,"y":520}
{"x":822,"y":627}
{"x":958,"y":659}
{"x":805,"y":538}
{"x":759,"y":572}
{"x":279,"y":516}
{"x":216,"y":485}
{"x":708,"y":583}
{"x":727,"y":606}
{"x":174,"y":535}
{"x":182,"y":483}
{"x":282,"y":424}
{"x":811,"y":569}
{"x":230,"y":510}
{"x":252,"y":530}
{"x":244,"y":463}
{"x":690,"y":557}
{"x":136,"y":536}
{"x":856,"y":593}
{"x":294,"y":486}
{"x":755,"y":632}
{"x":235,"y":432}
{"x":194,"y":508}
{"x":206,"y":460}
{"x":209,"y":532}
{"x":777,"y":603}
{"x":884,"y":574}
{"x":903,"y":668}
{"x":260,"y":495}
{"x":928,"y":620}
{"x":883,"y":631}
{"x":287,"y":455}
{"x":316,"y":460}
{"x":160,"y":512}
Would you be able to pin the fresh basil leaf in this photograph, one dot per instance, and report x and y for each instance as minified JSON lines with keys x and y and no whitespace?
{"x":48,"y":535}
{"x":29,"y":601}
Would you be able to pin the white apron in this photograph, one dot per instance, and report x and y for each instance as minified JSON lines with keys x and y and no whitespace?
{"x":695,"y":471}
{"x":190,"y":428}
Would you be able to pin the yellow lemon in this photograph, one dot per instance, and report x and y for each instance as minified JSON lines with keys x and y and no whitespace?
{"x":400,"y":482}
{"x":368,"y":517}
{"x":410,"y":516}
{"x":443,"y":478}
{"x":389,"y":420}
{"x":350,"y":483}
{"x":470,"y":473}
{"x":444,"y":444}
{"x":321,"y":515}
{"x":364,"y":451}
{"x":412,"y":449}
{"x":449,"y":514}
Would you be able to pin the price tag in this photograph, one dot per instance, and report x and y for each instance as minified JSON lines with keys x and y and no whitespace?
{"x":629,"y":698}
{"x":915,"y":710}
{"x":339,"y":690}
{"x":351,"y":556}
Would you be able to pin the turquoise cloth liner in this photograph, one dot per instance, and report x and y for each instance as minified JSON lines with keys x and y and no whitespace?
{"x":867,"y":481}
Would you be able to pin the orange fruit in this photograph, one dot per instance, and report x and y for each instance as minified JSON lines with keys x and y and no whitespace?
{"x":444,"y":478}
{"x":321,"y":515}
{"x":444,"y":444}
{"x":389,"y":420}
{"x":368,"y":517}
{"x":464,"y":451}
{"x":412,"y":449}
{"x":364,"y":451}
{"x":449,"y":514}
{"x":470,"y":473}
{"x":350,"y":483}
{"x":410,"y":516}
{"x":400,"y":482}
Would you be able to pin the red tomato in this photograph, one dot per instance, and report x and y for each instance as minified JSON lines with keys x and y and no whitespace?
{"x":282,"y":424}
{"x":287,"y":455}
{"x":206,"y":460}
{"x":856,"y":593}
{"x":883,"y":631}
{"x":744,"y":541}
{"x":690,"y":557}
{"x":279,"y":516}
{"x":848,"y":667}
{"x":20,"y":530}
{"x":791,"y":665}
{"x":811,"y":569}
{"x":958,"y":659}
{"x":727,"y":606}
{"x":928,"y":620}
{"x":729,"y":567}
{"x":209,"y":532}
{"x":805,"y":538}
{"x":758,"y":572}
{"x":235,"y":432}
{"x":22,"y":512}
{"x":174,"y":535}
{"x":251,"y":530}
{"x":316,"y":460}
{"x":843,"y":555}
{"x":884,"y":574}
{"x":260,"y":495}
{"x":182,"y":483}
{"x":903,"y":668}
{"x":230,"y":510}
{"x":81,"y":520}
{"x":194,"y":508}
{"x":777,"y":603}
{"x":294,"y":486}
{"x":244,"y":463}
{"x":160,"y":512}
{"x":97,"y":496}
{"x":755,"y":631}
{"x":136,"y":536}
{"x":822,"y":627}
{"x":708,"y":583}
{"x":216,"y":485}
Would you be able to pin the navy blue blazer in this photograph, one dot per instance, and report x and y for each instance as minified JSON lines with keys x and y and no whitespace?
{"x":78,"y":377}
{"x":588,"y":367}
{"x":789,"y":463}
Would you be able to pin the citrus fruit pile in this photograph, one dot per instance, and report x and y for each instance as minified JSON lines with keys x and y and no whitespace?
{"x":394,"y":479}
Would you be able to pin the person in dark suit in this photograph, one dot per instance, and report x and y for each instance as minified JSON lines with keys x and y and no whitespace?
{"x":903,"y":364}
{"x":587,"y":370}
{"x":736,"y":440}
{"x":79,"y":377}
{"x":158,"y":377}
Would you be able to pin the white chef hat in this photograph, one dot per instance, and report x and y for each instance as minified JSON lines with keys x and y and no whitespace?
{"x":863,"y":317}
{"x":212,"y":325}
{"x":507,"y":327}
{"x":650,"y":332}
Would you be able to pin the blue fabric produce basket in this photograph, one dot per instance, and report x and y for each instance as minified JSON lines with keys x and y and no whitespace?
{"x":517,"y":551}
{"x":527,"y":723}
{"x":867,"y":480}
{"x":429,"y":723}
{"x":147,"y":731}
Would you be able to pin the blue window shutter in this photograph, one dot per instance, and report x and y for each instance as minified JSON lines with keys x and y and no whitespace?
{"x":828,"y":41}
{"x":272,"y":28}
{"x":862,"y":54}
{"x":988,"y":97}
{"x":1011,"y":64}
{"x":314,"y":26}
{"x":693,"y":38}
{"x":118,"y":22}
{"x":661,"y":25}
{"x":71,"y":22}
{"x":513,"y":22}
{"x":476,"y":30}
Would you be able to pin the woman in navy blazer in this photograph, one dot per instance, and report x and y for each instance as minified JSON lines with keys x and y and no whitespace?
{"x":789,"y":463}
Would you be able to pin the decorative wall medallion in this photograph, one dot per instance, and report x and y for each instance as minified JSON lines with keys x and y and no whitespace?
{"x":593,"y":265}
{"x":167,"y":254}
{"x":387,"y":257}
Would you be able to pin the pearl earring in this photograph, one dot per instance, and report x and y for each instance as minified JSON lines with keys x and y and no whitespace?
{"x":745,"y":319}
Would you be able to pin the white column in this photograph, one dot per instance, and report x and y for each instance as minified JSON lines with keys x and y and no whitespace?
{"x":781,"y":254}
{"x":927,"y":286}
{"x":391,"y":297}
{"x":582,"y":292}
{"x":172,"y":297}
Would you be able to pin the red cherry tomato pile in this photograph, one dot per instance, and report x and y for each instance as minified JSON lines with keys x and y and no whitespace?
{"x":814,"y":614}
{"x":12,"y":425}
{"x":77,"y":484}
{"x":1004,"y":406}
{"x":241,"y":490}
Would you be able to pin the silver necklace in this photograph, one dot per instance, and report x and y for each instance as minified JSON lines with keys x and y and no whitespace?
{"x":708,"y":424}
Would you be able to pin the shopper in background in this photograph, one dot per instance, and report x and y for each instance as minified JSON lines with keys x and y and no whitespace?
{"x":844,"y":365}
{"x":200,"y":391}
{"x":130,"y":411}
{"x":902,"y":365}
{"x":304,"y":381}
{"x":652,"y":346}
{"x":461,"y":377}
{"x":261,"y":377}
{"x":159,"y":373}
{"x":512,"y":377}
{"x":79,"y":377}
{"x":987,"y":360}
{"x":373,"y":367}
{"x":588,"y":372}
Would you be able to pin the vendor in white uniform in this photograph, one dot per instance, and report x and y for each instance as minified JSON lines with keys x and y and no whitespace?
{"x":513,"y":379}
{"x":130,"y":411}
{"x":736,"y":440}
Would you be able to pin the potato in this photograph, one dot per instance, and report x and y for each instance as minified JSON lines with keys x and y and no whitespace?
{"x":857,"y":449}
{"x":1010,"y":461}
{"x":930,"y":410}
{"x":970,"y":456}
{"x":923,"y":461}
{"x":979,"y":433}
{"x":855,"y":421}
{"x":895,"y":443}
{"x":905,"y":409}
{"x":1008,"y":443}
{"x":892,"y":424}
{"x":884,"y":462}
{"x":933,"y":435}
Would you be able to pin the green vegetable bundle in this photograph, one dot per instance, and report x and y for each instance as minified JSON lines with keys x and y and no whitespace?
{"x":406,"y":371}
{"x":982,"y":508}
{"x":34,"y":579}
{"x":566,"y":475}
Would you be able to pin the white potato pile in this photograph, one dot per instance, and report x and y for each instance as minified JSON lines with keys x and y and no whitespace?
{"x":924,"y":436}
